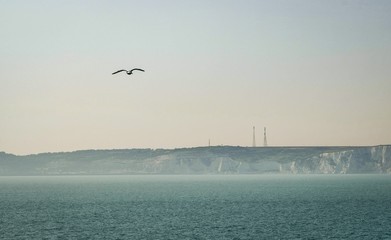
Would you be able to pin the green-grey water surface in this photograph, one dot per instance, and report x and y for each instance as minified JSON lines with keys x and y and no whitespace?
{"x":196,"y":207}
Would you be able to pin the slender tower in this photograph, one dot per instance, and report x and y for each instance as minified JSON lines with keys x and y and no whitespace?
{"x":264,"y":137}
{"x":254,"y":145}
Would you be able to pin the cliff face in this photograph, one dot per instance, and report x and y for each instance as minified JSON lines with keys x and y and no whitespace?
{"x":204,"y":160}
{"x":361,"y":160}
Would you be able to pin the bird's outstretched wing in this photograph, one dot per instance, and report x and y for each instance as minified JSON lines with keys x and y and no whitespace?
{"x":119,"y":71}
{"x":137,"y":69}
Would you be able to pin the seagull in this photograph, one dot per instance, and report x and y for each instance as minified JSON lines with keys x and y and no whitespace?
{"x":130,"y":71}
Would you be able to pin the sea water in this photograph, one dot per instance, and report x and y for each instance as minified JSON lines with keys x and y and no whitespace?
{"x":196,"y":207}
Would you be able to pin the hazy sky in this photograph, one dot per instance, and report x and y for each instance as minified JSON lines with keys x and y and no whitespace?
{"x":312,"y":72}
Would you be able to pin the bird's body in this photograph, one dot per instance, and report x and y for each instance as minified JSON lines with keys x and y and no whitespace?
{"x":130,"y":71}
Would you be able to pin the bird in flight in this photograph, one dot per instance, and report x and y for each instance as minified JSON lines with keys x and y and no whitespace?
{"x":129,"y":72}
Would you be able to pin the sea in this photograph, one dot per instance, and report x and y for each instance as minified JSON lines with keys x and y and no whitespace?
{"x":196,"y":207}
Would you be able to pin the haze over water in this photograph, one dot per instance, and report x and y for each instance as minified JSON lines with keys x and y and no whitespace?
{"x":196,"y":207}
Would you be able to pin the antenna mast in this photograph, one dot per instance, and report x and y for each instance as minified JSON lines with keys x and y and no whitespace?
{"x":254,"y":145}
{"x":264,"y":137}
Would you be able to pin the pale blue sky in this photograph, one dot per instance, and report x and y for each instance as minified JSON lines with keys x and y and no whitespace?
{"x":312,"y":72}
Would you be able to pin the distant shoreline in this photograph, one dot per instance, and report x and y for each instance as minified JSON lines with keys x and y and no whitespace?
{"x":199,"y":147}
{"x":204,"y":160}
